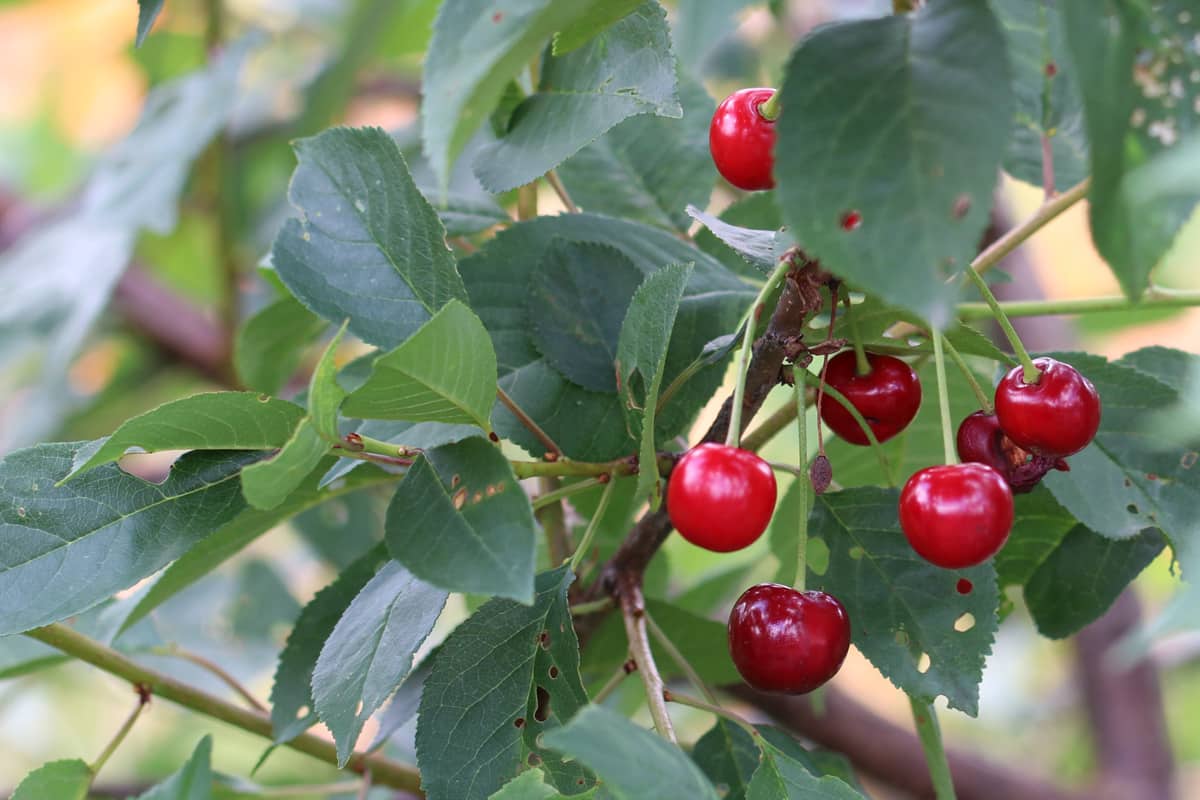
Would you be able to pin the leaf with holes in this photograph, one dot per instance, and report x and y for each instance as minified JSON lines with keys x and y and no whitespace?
{"x":269,"y":483}
{"x":460,"y":520}
{"x":368,"y":247}
{"x":325,"y":395}
{"x":503,"y":679}
{"x":531,"y":785}
{"x":912,"y":160}
{"x":68,"y":779}
{"x":193,"y":781}
{"x":413,"y":382}
{"x":269,"y":345}
{"x":904,"y":612}
{"x":370,"y":651}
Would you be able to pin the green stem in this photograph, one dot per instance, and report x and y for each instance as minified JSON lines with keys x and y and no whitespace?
{"x":175,"y":651}
{"x":1031,"y":372}
{"x":119,"y":737}
{"x":682,"y":378}
{"x":985,"y":402}
{"x":591,"y":607}
{"x":379,"y":447}
{"x":528,"y":422}
{"x":736,"y":719}
{"x":884,"y":464}
{"x":553,"y":522}
{"x":931,"y":742}
{"x":564,"y":468}
{"x":739,"y":389}
{"x":939,"y":363}
{"x":680,"y":660}
{"x":610,"y":685}
{"x":633,"y":613}
{"x":996,"y":252}
{"x":557,"y":185}
{"x":1153,"y":298}
{"x":385,"y":771}
{"x":861,"y":364}
{"x":566,"y":491}
{"x":803,"y":483}
{"x":770,"y":108}
{"x":594,"y":524}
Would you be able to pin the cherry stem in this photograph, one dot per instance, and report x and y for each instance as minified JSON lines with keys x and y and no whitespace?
{"x":861,"y":364}
{"x":736,"y":719}
{"x":565,"y":467}
{"x":680,"y":660}
{"x":593,"y":607}
{"x":546,"y":499}
{"x":610,"y":685}
{"x":769,"y":108}
{"x":930,"y":735}
{"x":1031,"y":372}
{"x":216,"y":670}
{"x":1155,"y":297}
{"x":939,"y":363}
{"x":739,"y":389}
{"x":633,"y":612}
{"x":1047,"y":167}
{"x":1048,"y":211}
{"x":528,"y":422}
{"x":143,"y":700}
{"x":985,"y":402}
{"x":822,"y":389}
{"x":802,"y":483}
{"x":884,"y":464}
{"x":594,"y":524}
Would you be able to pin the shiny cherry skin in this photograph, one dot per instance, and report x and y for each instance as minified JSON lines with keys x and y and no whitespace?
{"x":1056,"y":417}
{"x":721,"y":498}
{"x":784,"y":640}
{"x":742,"y":140}
{"x":888,"y":396}
{"x":981,"y":440}
{"x":958,"y":515}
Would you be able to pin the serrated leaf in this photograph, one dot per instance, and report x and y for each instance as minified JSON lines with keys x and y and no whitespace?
{"x":460,"y":520}
{"x":445,"y":372}
{"x":368,"y":248}
{"x":780,"y":777}
{"x":648,"y":168}
{"x":193,"y":781}
{"x":502,"y":681}
{"x":268,"y":483}
{"x":292,"y":708}
{"x":269,"y":345}
{"x":641,"y":358}
{"x":66,"y":548}
{"x":901,"y":606}
{"x":632,"y":762}
{"x":1134,"y":63}
{"x":465,"y":207}
{"x":211,"y":421}
{"x":68,"y":779}
{"x":404,"y":703}
{"x":915,"y":155}
{"x":325,"y":395}
{"x":1039,"y":525}
{"x":370,"y":651}
{"x":598,"y":18}
{"x":757,"y":248}
{"x":755,"y":211}
{"x":728,"y":756}
{"x":1046,"y":99}
{"x":529,"y":785}
{"x":627,"y":70}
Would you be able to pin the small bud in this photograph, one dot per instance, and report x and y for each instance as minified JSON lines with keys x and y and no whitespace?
{"x":821,"y":474}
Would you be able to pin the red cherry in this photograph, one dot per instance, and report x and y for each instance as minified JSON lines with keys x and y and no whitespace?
{"x":783,"y":640}
{"x":721,"y":498}
{"x":1055,"y":417}
{"x":958,"y":515}
{"x":983,"y":441}
{"x":888,"y":396}
{"x":741,"y":140}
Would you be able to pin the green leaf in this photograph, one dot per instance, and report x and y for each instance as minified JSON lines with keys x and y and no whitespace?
{"x":325,"y":395}
{"x":261,"y":602}
{"x":632,"y":762}
{"x":446,"y":372}
{"x":598,"y":18}
{"x":590,"y":426}
{"x":755,"y":211}
{"x":292,"y":707}
{"x":641,"y":357}
{"x":68,"y":779}
{"x":148,"y":11}
{"x":501,"y":681}
{"x":901,"y":606}
{"x":211,"y":421}
{"x":268,"y":483}
{"x":485,"y":540}
{"x":1039,"y":526}
{"x":648,"y":168}
{"x":625,"y":71}
{"x":368,"y":247}
{"x":782,"y":778}
{"x":269,"y":345}
{"x":193,"y":781}
{"x":465,"y":207}
{"x":370,"y":651}
{"x":728,"y":756}
{"x":759,"y":249}
{"x":1047,"y":102}
{"x":701,"y":25}
{"x":65,"y":548}
{"x":531,"y":785}
{"x":577,"y":300}
{"x":915,"y":154}
{"x":1133,"y":62}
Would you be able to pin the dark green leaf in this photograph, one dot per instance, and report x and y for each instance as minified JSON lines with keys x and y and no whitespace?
{"x":701,"y":25}
{"x":65,"y":548}
{"x":369,"y":247}
{"x":193,"y":781}
{"x":445,"y":372}
{"x":503,"y":678}
{"x":68,"y":779}
{"x":915,"y":154}
{"x":370,"y":651}
{"x":269,"y":345}
{"x":780,"y":777}
{"x":148,"y":11}
{"x":212,"y":421}
{"x":900,"y":605}
{"x":729,"y":757}
{"x":1038,"y":529}
{"x":325,"y":395}
{"x":268,"y":483}
{"x":529,"y":785}
{"x":757,"y":248}
{"x":261,"y":602}
{"x":342,"y":528}
{"x":460,"y":520}
{"x":404,"y":703}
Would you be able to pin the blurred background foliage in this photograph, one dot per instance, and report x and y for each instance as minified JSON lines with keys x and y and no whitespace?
{"x":72,"y":87}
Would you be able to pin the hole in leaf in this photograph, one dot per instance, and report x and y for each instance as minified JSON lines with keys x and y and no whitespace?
{"x":924,"y":663}
{"x":542,"y":712}
{"x":1189,"y":459}
{"x":722,"y":789}
{"x":455,"y":481}
{"x":519,"y":722}
{"x":534,"y":759}
{"x":1131,"y":508}
{"x":964,"y":586}
{"x":1128,"y":483}
{"x":460,"y":499}
{"x":544,"y":640}
{"x":965,"y":622}
{"x":302,"y":712}
{"x":358,"y":709}
{"x":553,"y":673}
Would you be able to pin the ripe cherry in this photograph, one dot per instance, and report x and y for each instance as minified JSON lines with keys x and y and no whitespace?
{"x":888,"y":396}
{"x":721,"y":498}
{"x":1055,"y":417}
{"x":958,"y":515}
{"x":741,"y":140}
{"x":784,"y":640}
{"x":983,"y":441}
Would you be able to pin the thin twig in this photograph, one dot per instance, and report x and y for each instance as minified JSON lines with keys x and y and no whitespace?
{"x":143,"y":700}
{"x":680,"y":660}
{"x":175,"y":651}
{"x":528,"y":422}
{"x":633,"y":610}
{"x":555,"y":183}
{"x":553,"y":521}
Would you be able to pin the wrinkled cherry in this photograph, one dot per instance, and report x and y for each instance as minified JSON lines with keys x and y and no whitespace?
{"x":742,"y":140}
{"x":721,"y":498}
{"x":1055,"y":417}
{"x":888,"y":396}
{"x":982,"y":440}
{"x":958,"y":515}
{"x":784,"y":640}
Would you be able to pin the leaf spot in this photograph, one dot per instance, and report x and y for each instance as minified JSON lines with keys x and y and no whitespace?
{"x":553,"y":672}
{"x":962,"y":204}
{"x":21,"y":512}
{"x":519,"y":722}
{"x":460,"y":499}
{"x":534,"y":759}
{"x":964,"y":586}
{"x":850,"y":220}
{"x":856,"y":552}
{"x":1189,"y":459}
